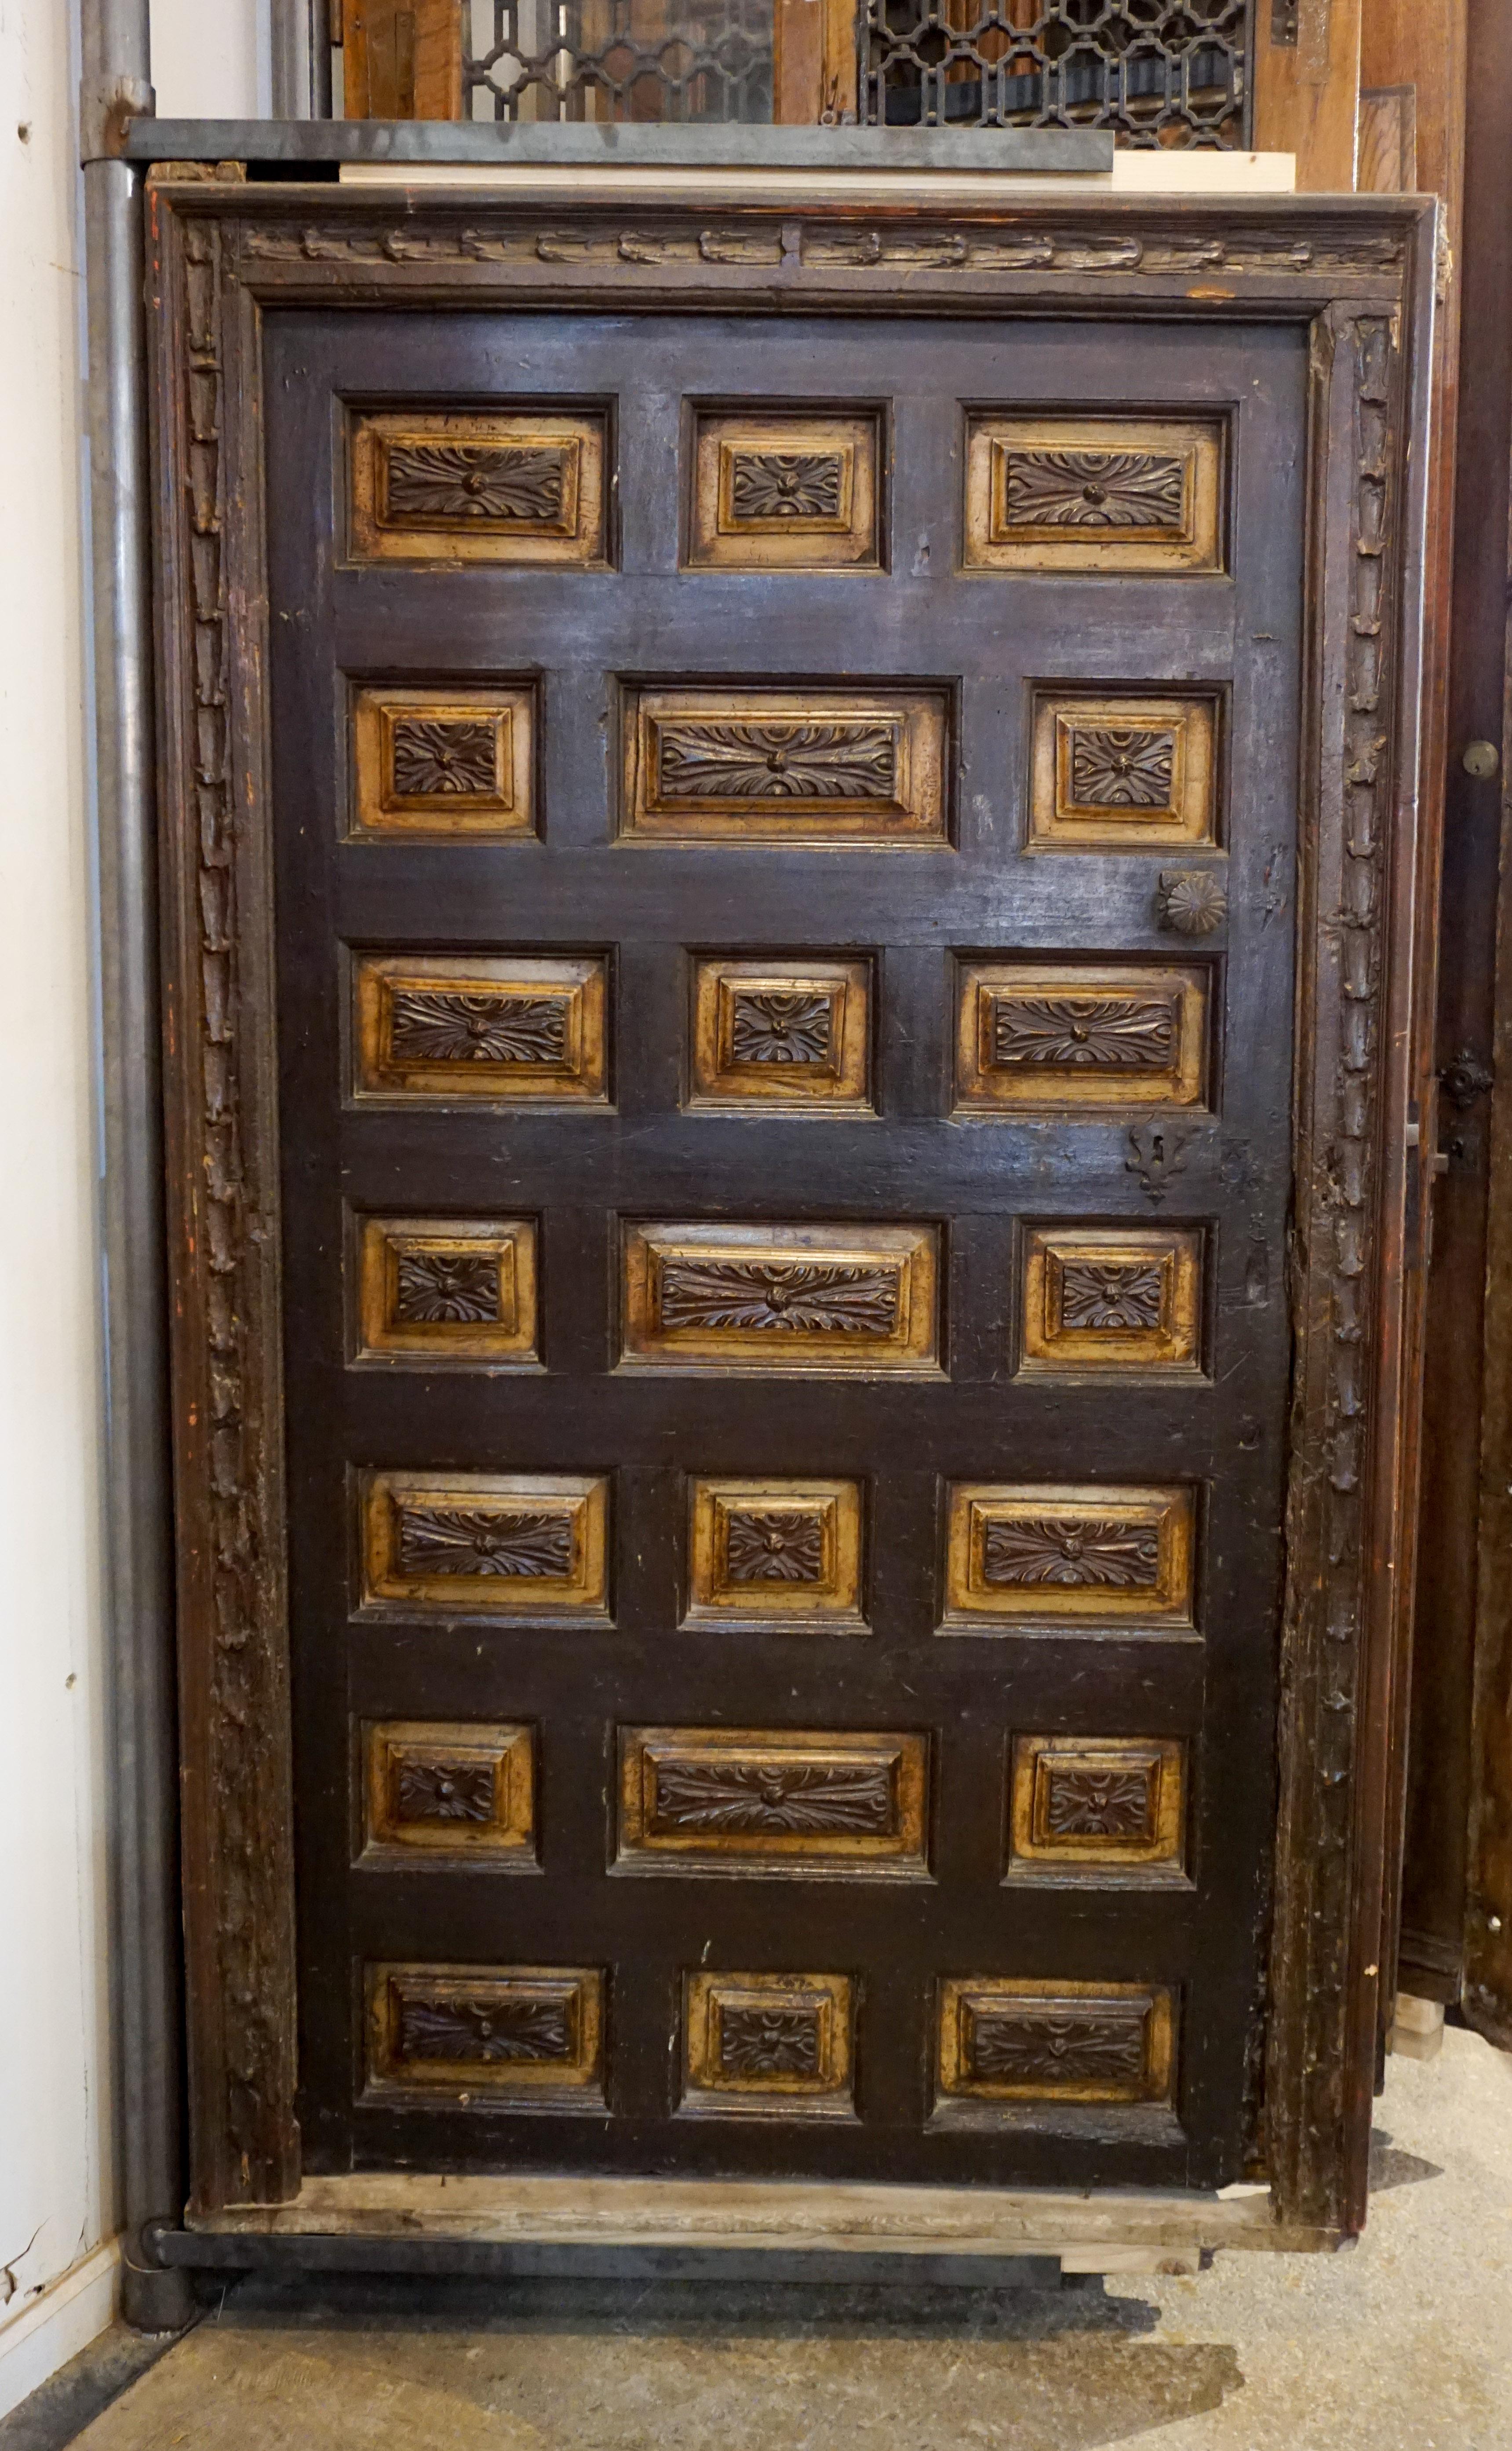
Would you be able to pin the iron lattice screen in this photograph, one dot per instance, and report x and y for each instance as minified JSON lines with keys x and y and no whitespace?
{"x":651,"y":60}
{"x":1155,"y":71}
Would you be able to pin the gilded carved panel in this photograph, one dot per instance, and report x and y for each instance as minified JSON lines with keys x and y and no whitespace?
{"x":504,"y":1027}
{"x":449,"y":1795}
{"x":805,"y":764}
{"x":532,"y":2035}
{"x":785,"y":489}
{"x":525,"y":488}
{"x":782,"y":1298}
{"x":1107,"y":494}
{"x":449,"y":1290}
{"x":1126,"y":770}
{"x":780,"y":1803}
{"x":1117,"y":1298}
{"x":767,"y":2047}
{"x":775,"y":1554}
{"x":485,"y":1545}
{"x":444,"y":764}
{"x":1041,"y":1555}
{"x":793,"y":1034}
{"x":1097,"y":1808}
{"x":1104,"y":1036}
{"x":1009,"y":2039}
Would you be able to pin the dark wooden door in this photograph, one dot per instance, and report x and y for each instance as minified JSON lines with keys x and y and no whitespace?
{"x":786,"y":840}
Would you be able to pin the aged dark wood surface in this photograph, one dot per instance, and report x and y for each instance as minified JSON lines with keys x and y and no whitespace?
{"x":1475,"y":1043}
{"x":1288,"y":266}
{"x":1439,"y":1753}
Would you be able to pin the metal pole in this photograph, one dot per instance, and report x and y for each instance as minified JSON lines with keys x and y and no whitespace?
{"x":302,"y":59}
{"x":147,"y":1986}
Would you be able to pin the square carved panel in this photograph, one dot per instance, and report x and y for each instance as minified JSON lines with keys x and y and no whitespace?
{"x":1111,"y":1297}
{"x":1109,"y":494}
{"x":506,"y":1026}
{"x":780,"y":1299}
{"x":478,"y":486}
{"x":487,"y":2034}
{"x":791,"y":1035}
{"x":446,"y":1794}
{"x":443,"y":763}
{"x":1114,"y":1037}
{"x":1098,"y":1807}
{"x":785,"y":489}
{"x":485,"y":1545}
{"x":767,"y":2047}
{"x":1084,"y":1556}
{"x":1131,"y":772}
{"x":780,"y":1803}
{"x":775,"y":1554}
{"x":447,"y":1289}
{"x":800,"y":764}
{"x":1009,"y":2039}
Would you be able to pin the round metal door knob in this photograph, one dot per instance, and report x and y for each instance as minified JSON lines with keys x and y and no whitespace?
{"x":1480,"y":759}
{"x":1191,"y":900}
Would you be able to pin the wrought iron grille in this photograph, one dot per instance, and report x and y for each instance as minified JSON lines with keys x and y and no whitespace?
{"x":683,"y":59}
{"x":1169,"y":72}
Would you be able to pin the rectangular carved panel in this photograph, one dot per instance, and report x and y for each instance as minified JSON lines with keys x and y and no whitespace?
{"x":781,"y":1804}
{"x":507,"y":1027}
{"x":453,"y":763}
{"x":488,"y":2034}
{"x":1010,"y":2039}
{"x":775,"y":1554}
{"x":785,"y":489}
{"x":1109,"y":494}
{"x":478,"y":487}
{"x":1109,"y":1036}
{"x":448,"y":1794}
{"x":778,"y":1299}
{"x":793,"y":1034}
{"x":766,"y":2046}
{"x":803,"y":764}
{"x":447,"y":1289}
{"x":1099,"y":1556}
{"x":1131,"y":772}
{"x":1097,"y":1806}
{"x":1111,"y":1297}
{"x":485,"y":1545}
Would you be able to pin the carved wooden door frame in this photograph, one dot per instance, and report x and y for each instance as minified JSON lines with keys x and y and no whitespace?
{"x":1357,"y":273}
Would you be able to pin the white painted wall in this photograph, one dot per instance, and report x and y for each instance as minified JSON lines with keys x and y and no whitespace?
{"x":56,"y":2191}
{"x":57,"y":2184}
{"x":210,"y":59}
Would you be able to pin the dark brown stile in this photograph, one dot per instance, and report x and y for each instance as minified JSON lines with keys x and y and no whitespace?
{"x":1352,"y":282}
{"x":1414,"y":63}
{"x":1463,"y":1482}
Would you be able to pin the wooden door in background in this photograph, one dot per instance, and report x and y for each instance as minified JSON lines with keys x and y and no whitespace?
{"x":786,"y":840}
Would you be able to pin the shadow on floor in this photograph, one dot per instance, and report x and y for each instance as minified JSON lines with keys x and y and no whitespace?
{"x":553,"y":2365}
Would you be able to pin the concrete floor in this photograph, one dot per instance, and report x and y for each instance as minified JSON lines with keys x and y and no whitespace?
{"x":1405,"y":2340}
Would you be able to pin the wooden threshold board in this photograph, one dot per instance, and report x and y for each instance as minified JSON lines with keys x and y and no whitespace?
{"x":1131,"y":2230}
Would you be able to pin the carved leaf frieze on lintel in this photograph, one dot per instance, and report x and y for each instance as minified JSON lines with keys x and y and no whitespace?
{"x":966,"y":248}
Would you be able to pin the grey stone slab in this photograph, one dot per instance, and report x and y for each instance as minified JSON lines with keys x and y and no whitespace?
{"x":1072,"y":151}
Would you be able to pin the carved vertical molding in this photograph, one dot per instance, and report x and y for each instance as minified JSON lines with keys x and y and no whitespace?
{"x":1326,"y":1842}
{"x":234,"y":1687}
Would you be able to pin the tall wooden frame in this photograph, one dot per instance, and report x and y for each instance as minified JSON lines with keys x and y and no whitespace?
{"x":1356,"y":275}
